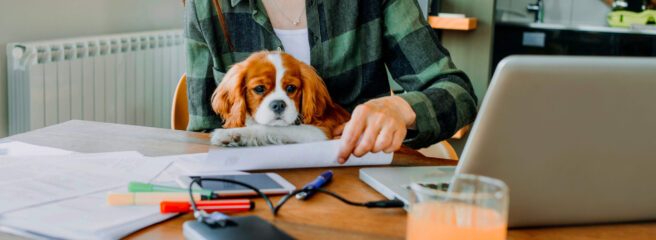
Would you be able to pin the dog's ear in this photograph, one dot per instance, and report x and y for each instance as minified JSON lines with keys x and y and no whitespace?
{"x":315,"y":97}
{"x":228,"y":100}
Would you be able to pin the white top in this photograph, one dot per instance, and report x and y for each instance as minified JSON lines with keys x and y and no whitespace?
{"x":296,"y":43}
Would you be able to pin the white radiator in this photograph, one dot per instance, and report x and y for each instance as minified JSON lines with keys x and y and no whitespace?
{"x":126,"y":78}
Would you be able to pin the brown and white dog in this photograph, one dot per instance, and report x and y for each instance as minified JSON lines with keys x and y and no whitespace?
{"x":272,"y":98}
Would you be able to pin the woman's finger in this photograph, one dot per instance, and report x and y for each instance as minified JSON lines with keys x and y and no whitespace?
{"x":384,"y":140}
{"x":352,"y":131}
{"x":399,"y":135}
{"x":367,"y":140}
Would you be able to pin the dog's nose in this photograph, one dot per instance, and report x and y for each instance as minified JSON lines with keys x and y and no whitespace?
{"x":278,"y":106}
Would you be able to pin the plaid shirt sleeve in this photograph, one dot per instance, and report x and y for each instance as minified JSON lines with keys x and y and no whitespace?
{"x":441,"y":95}
{"x":202,"y":78}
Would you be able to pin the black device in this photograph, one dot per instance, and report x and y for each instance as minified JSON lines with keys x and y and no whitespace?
{"x":244,"y":227}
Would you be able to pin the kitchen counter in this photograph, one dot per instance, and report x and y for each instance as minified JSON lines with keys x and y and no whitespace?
{"x":580,"y":28}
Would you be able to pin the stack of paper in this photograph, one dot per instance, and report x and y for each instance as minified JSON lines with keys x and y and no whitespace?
{"x":64,"y":196}
{"x":16,"y":148}
{"x":304,"y":155}
{"x":86,"y":217}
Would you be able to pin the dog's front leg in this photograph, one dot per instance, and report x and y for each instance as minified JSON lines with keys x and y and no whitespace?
{"x":260,"y":135}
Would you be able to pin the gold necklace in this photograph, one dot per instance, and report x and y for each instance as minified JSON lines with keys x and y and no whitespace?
{"x":295,"y":21}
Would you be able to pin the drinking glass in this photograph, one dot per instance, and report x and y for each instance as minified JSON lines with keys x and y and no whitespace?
{"x":466,"y":207}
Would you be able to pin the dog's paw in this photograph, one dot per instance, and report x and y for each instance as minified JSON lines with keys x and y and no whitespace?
{"x":228,"y":137}
{"x":250,"y":137}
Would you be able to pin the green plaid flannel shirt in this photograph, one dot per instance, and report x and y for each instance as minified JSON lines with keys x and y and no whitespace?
{"x":352,"y":44}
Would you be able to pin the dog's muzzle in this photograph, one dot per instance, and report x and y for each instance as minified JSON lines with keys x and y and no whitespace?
{"x":277,"y":106}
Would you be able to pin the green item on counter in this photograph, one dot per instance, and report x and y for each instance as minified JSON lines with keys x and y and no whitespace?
{"x":145,"y":187}
{"x":624,"y":19}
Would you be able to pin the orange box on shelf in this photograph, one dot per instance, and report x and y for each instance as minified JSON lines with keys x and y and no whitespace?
{"x":464,"y":24}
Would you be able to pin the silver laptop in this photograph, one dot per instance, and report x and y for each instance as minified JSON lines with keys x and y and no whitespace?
{"x":574,"y":138}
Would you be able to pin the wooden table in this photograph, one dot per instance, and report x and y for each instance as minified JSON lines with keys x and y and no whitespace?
{"x":322,"y":217}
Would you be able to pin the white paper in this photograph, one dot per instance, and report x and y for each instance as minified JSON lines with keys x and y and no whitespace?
{"x":181,"y":164}
{"x":30,"y":181}
{"x":16,"y":148}
{"x":84,"y":217}
{"x":170,"y":174}
{"x":305,"y":155}
{"x":66,"y":196}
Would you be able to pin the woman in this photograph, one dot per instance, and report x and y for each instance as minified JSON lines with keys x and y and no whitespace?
{"x":350,"y":44}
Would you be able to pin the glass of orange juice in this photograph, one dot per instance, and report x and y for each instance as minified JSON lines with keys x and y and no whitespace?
{"x":466,"y":207}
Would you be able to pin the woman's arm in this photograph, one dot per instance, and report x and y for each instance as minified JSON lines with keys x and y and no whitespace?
{"x":201,"y":76}
{"x":440,"y":94}
{"x":439,"y":98}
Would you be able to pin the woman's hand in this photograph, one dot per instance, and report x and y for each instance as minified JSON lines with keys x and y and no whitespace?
{"x":380,"y":124}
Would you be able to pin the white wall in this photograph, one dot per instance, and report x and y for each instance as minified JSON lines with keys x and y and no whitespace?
{"x":568,"y":12}
{"x":471,"y":51}
{"x":30,"y":20}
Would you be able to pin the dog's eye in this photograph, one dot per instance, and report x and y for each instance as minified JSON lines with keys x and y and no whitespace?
{"x":259,"y":89}
{"x":291,"y":88}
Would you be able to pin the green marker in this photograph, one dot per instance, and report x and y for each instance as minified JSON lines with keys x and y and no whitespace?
{"x":144,"y":187}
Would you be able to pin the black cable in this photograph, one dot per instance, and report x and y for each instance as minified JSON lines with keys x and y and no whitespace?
{"x":285,"y":198}
{"x":394,"y":203}
{"x":340,"y":197}
{"x":199,"y":180}
{"x":375,"y":204}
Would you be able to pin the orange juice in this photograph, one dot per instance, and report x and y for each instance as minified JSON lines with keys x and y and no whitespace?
{"x":454,"y":221}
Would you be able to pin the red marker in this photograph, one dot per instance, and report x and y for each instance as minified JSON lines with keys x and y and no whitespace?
{"x":229,"y":205}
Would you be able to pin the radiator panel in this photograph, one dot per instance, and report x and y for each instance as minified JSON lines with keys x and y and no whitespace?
{"x":50,"y":90}
{"x":64,"y":91}
{"x":36,"y":104}
{"x":125,"y":78}
{"x":76,"y":89}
